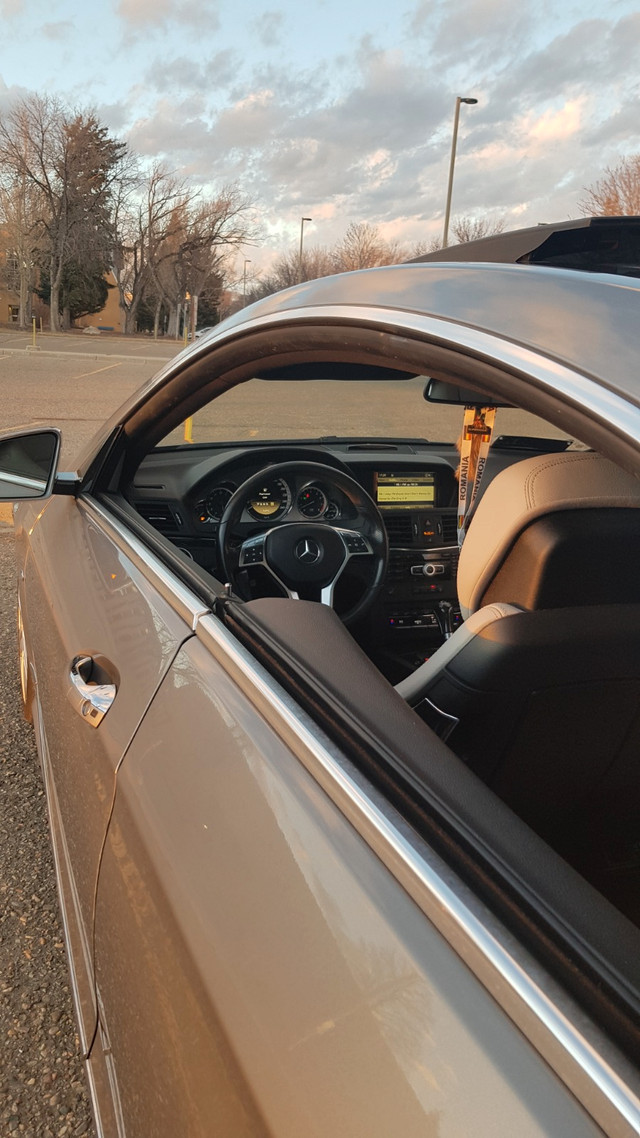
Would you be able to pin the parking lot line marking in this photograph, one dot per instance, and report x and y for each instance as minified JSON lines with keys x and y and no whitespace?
{"x":84,"y":374}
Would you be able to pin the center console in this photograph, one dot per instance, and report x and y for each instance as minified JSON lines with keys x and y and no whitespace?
{"x":418,"y":605}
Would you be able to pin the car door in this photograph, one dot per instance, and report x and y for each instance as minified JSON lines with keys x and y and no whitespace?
{"x":260,"y":969}
{"x":87,"y":594}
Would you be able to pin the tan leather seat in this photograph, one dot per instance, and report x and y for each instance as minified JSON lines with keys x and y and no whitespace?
{"x":539,"y":690}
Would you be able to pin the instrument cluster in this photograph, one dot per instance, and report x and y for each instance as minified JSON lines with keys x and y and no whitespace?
{"x":273,"y":500}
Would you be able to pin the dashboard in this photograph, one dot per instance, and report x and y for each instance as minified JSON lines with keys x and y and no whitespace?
{"x":184,"y":493}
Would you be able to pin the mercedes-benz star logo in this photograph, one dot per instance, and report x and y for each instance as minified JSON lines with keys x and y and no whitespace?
{"x":307,"y":551}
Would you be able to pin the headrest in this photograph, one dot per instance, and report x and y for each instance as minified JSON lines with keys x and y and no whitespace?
{"x":532,"y":541}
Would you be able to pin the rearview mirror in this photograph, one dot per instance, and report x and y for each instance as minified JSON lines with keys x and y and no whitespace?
{"x":438,"y":391}
{"x":28,"y":461}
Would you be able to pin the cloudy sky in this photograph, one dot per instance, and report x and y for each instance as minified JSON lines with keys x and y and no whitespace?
{"x":342,"y":110}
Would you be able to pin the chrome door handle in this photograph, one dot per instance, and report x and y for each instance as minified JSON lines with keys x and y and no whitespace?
{"x":90,"y":699}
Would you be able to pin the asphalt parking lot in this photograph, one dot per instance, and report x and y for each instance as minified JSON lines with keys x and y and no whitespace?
{"x":80,"y":344}
{"x":72,"y":391}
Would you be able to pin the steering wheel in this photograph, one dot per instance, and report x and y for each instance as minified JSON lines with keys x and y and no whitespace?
{"x":307,"y":556}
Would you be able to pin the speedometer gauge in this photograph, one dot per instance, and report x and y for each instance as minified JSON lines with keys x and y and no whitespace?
{"x":215,"y":504}
{"x":312,"y":502}
{"x":271,"y":500}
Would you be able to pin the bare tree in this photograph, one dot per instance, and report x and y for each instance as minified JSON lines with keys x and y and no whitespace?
{"x":421,"y":248}
{"x":286,"y":272}
{"x":170,"y":241}
{"x":69,"y":160}
{"x":215,"y":228}
{"x":19,"y":221}
{"x":143,"y":222}
{"x":617,"y":193}
{"x":362,"y":247}
{"x":184,"y":263}
{"x":474,"y":228}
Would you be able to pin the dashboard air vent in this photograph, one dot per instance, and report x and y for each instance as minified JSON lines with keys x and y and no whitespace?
{"x":449,"y":528}
{"x":399,"y":530}
{"x":159,"y":515}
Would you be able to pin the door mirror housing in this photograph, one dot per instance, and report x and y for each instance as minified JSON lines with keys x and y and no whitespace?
{"x":28,"y":462}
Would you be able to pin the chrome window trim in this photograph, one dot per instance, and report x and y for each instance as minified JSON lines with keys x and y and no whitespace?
{"x":185,"y":603}
{"x":558,"y":1029}
{"x":36,"y":484}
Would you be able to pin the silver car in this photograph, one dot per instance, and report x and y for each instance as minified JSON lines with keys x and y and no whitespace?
{"x":331,"y":644}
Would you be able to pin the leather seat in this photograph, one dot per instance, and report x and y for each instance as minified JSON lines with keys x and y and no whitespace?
{"x":539,"y":690}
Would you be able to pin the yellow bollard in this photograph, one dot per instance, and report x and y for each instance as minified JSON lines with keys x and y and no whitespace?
{"x":188,"y":430}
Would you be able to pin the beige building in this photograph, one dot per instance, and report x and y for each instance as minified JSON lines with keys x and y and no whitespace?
{"x":9,"y":288}
{"x":110,"y":318}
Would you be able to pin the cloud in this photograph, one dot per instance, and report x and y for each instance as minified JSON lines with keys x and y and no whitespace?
{"x":172,"y":132}
{"x":10,"y":95}
{"x":185,"y":74}
{"x":250,"y":123}
{"x":554,"y":125}
{"x":115,"y":116}
{"x":358,"y":127}
{"x":139,"y":14}
{"x":589,"y":57}
{"x":469,"y":36}
{"x":268,"y":28}
{"x":59,"y":32}
{"x":366,"y":137}
{"x":616,"y":131}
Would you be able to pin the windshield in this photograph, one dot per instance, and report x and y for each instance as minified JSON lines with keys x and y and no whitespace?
{"x":314,"y":409}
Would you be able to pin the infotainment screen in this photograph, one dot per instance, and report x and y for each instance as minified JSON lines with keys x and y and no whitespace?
{"x":404,"y":490}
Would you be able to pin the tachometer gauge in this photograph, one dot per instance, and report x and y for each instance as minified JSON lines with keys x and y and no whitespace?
{"x":271,"y":500}
{"x":332,"y":511}
{"x":312,"y":502}
{"x":215,"y":504}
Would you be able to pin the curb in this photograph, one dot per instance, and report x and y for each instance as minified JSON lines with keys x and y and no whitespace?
{"x":159,"y":360}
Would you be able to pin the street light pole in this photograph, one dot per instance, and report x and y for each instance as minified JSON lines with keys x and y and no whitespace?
{"x":247,"y":261}
{"x":447,"y":212}
{"x":302,"y":221}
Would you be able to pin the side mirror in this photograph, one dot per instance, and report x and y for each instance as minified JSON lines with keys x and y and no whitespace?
{"x":28,"y":461}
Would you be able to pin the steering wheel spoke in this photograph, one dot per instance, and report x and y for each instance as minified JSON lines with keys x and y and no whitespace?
{"x":252,"y":553}
{"x":355,"y":543}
